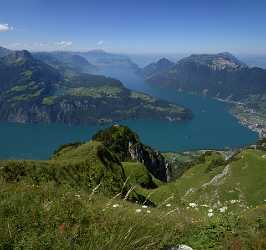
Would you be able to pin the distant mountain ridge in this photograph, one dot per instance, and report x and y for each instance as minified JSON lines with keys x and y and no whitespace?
{"x":159,"y":67}
{"x":66,"y":61}
{"x":216,"y":75}
{"x":109,"y":61}
{"x":32,"y":91}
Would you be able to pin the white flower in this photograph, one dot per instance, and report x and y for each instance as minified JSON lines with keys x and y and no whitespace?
{"x":116,"y":205}
{"x":77,"y":195}
{"x":233,"y":201}
{"x":148,"y":211}
{"x":144,"y":206}
{"x":204,"y":205}
{"x":168,"y":205}
{"x":210,"y":210}
{"x":210,"y":214}
{"x":192,"y":204}
{"x":222,"y":209}
{"x":138,"y":210}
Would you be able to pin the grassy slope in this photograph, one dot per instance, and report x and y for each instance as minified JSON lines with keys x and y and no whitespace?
{"x":245,"y":181}
{"x":50,"y":215}
{"x":82,"y":167}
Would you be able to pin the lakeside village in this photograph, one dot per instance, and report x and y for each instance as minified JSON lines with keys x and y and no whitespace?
{"x":250,"y":118}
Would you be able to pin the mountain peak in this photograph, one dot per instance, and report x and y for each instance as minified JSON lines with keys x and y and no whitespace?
{"x":220,"y":61}
{"x":164,"y":61}
{"x":162,"y":65}
{"x":19,"y":56}
{"x":4,"y":51}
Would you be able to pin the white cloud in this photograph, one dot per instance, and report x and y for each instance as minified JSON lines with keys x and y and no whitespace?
{"x":64,"y":44}
{"x":4,"y":27}
{"x":101,"y":42}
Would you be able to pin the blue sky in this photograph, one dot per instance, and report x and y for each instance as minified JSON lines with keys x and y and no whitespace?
{"x":135,"y":26}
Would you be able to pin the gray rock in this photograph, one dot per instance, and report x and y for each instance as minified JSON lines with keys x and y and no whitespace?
{"x":179,"y":247}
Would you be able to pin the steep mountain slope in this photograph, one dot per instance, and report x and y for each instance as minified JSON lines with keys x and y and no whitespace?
{"x":32,"y":91}
{"x":66,"y":62}
{"x":81,"y":166}
{"x":215,"y":182}
{"x":4,"y":52}
{"x":220,"y":75}
{"x":127,"y":146}
{"x":19,"y":68}
{"x":161,"y":66}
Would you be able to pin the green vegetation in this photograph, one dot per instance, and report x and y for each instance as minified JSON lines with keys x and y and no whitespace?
{"x":60,"y":93}
{"x":117,"y":139}
{"x":96,"y":92}
{"x":85,"y":198}
{"x":138,"y":175}
{"x":83,"y":168}
{"x":48,"y":100}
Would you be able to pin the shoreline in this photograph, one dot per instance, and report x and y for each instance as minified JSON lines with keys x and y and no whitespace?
{"x":247,"y":117}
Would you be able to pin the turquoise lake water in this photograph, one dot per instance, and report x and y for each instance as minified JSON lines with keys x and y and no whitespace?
{"x":212,"y":127}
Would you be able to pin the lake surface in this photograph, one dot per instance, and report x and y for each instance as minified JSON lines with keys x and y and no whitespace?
{"x":212,"y":127}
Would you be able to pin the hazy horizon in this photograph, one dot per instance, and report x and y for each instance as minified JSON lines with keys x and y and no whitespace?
{"x":139,"y":27}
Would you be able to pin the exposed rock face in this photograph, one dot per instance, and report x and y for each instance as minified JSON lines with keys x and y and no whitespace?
{"x":127,"y":146}
{"x":153,"y":160}
{"x":218,"y":75}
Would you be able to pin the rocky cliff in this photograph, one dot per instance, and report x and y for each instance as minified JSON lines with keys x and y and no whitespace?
{"x":126,"y":145}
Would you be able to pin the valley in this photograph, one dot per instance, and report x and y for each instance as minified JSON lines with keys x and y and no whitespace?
{"x":132,"y":125}
{"x":33,"y":91}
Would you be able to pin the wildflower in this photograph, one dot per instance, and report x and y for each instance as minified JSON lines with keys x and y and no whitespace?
{"x":148,"y":211}
{"x":116,"y":205}
{"x":210,"y":214}
{"x":138,"y":210}
{"x":204,"y":205}
{"x":144,"y":206}
{"x":210,"y":210}
{"x":222,"y":209}
{"x":62,"y":228}
{"x":168,"y":205}
{"x":192,"y":204}
{"x":77,"y":195}
{"x":233,"y":201}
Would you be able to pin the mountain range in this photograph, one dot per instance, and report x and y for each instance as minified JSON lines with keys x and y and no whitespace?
{"x":51,"y":88}
{"x":216,"y":75}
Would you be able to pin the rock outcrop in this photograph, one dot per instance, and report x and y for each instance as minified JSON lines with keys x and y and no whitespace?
{"x":127,"y":146}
